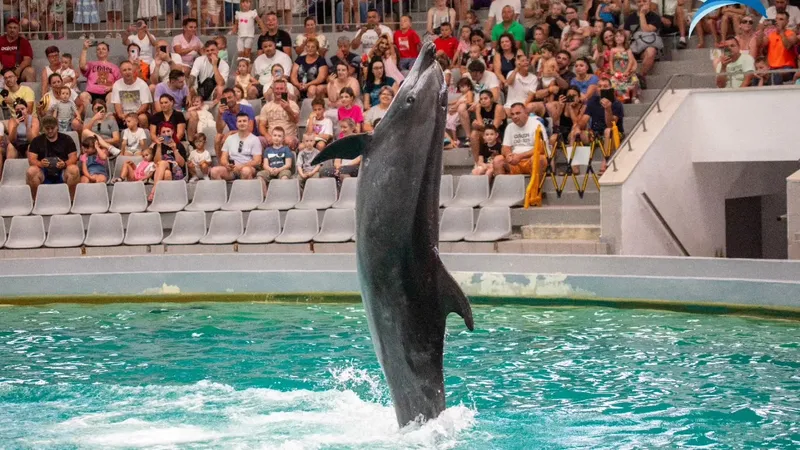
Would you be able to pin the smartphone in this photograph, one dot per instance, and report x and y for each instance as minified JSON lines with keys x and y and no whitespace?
{"x":93,"y":44}
{"x":285,"y":96}
{"x":726,"y":51}
{"x":607,"y":94}
{"x":102,"y":110}
{"x":19,"y":114}
{"x":167,"y":139}
{"x":223,"y":102}
{"x":570,"y":98}
{"x":134,"y":54}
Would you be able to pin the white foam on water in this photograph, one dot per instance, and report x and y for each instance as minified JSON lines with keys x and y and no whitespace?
{"x":215,"y":415}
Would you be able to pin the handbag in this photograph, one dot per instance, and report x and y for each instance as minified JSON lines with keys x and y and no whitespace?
{"x":641,"y":40}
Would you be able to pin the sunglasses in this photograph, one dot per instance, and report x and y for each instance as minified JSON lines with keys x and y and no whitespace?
{"x":750,"y":22}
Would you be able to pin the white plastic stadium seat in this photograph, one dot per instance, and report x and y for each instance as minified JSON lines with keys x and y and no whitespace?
{"x":14,"y":171}
{"x":507,"y":190}
{"x":170,"y":196}
{"x":15,"y":200}
{"x":246,"y":195}
{"x":119,"y":162}
{"x":52,"y":199}
{"x":105,"y":230}
{"x":455,"y":224}
{"x":319,"y":193}
{"x":128,"y":197}
{"x":90,"y":198}
{"x":188,"y":228}
{"x":282,"y":195}
{"x":347,"y":195}
{"x":209,"y":195}
{"x":65,"y":231}
{"x":301,"y":225}
{"x":26,"y":232}
{"x":144,"y":229}
{"x":494,"y":224}
{"x":225,"y":228}
{"x":262,"y":227}
{"x":446,"y":190}
{"x":471,"y":191}
{"x":338,"y":225}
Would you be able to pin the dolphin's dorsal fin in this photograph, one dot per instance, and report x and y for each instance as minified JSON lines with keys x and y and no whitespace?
{"x":350,"y":147}
{"x":452,"y":297}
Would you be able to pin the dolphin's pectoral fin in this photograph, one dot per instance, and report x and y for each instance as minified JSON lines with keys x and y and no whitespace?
{"x":453,"y":298}
{"x":350,"y":147}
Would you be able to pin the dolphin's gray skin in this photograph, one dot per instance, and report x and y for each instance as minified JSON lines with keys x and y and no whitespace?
{"x":406,"y":290}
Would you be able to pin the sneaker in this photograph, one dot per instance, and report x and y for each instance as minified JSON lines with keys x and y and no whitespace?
{"x":82,"y":37}
{"x":109,"y":36}
{"x":91,"y":35}
{"x":682,"y":43}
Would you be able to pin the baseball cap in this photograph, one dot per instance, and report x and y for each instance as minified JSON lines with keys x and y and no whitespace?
{"x":12,"y":20}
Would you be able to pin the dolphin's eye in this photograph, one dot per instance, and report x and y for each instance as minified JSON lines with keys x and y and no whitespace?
{"x":410,"y":100}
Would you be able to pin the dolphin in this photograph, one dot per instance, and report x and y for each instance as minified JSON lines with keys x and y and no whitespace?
{"x":406,"y":290}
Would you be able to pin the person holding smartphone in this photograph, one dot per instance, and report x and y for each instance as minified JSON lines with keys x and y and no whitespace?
{"x":53,"y":158}
{"x":735,"y":68}
{"x":604,"y":110}
{"x":139,"y":34}
{"x":282,"y":112}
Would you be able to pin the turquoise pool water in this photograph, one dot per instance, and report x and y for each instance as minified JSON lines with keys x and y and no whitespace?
{"x":245,"y":375}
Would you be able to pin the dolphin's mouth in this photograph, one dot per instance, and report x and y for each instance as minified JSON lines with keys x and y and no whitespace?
{"x":426,"y":61}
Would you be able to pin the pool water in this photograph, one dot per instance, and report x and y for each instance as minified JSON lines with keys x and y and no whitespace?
{"x":255,"y":375}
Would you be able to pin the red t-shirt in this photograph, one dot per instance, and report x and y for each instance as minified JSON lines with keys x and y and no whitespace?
{"x":448,"y":46}
{"x":407,"y":43}
{"x":11,"y":53}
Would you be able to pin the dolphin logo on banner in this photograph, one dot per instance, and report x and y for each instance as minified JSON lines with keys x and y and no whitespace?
{"x":710,"y":6}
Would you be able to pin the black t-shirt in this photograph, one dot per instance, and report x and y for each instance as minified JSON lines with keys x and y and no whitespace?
{"x":567,"y":76}
{"x":282,"y":40}
{"x":308,"y":71}
{"x":167,"y":150}
{"x":632,"y":21}
{"x":490,"y":151}
{"x":555,"y":31}
{"x":487,"y":117}
{"x":175,"y":119}
{"x":61,"y":148}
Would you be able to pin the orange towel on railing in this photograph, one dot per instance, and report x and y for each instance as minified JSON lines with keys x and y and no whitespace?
{"x":533,"y":195}
{"x":614,"y":136}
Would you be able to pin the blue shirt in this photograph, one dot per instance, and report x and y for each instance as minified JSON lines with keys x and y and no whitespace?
{"x":584,"y":85}
{"x":230,"y":118}
{"x":277,"y":156}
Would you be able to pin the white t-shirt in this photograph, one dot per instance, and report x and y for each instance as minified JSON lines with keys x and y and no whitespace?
{"x":146,"y":48}
{"x":132,"y":139}
{"x":199,"y":156}
{"x":163,"y":69}
{"x":130,"y":96}
{"x":262,"y":67}
{"x":737,"y":70}
{"x":370,"y":37}
{"x":324,"y":126}
{"x":244,"y":153}
{"x":247,"y":23}
{"x":488,"y":81}
{"x":522,"y":87}
{"x":521,"y":139}
{"x":202,"y":69}
{"x":496,"y":8}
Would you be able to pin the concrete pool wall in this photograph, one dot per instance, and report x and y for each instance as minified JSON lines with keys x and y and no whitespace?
{"x":760,"y":286}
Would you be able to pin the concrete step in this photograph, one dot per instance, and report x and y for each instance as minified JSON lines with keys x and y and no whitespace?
{"x":691,"y":54}
{"x":458,"y":157}
{"x":629,"y":122}
{"x":556,"y":215}
{"x":581,"y":232}
{"x":685,"y":82}
{"x":648,"y":95}
{"x":551,"y":247}
{"x":636,"y":109}
{"x":590,"y":197}
{"x":686,"y":66}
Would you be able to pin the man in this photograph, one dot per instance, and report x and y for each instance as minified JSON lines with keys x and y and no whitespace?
{"x":603,"y":113}
{"x":16,"y":52}
{"x":783,"y":6}
{"x":49,"y":100}
{"x":674,"y":19}
{"x":281,"y":38}
{"x":229,"y":111}
{"x":483,"y":79}
{"x":368,"y":34}
{"x":446,"y":44}
{"x":241,"y":154}
{"x":16,"y":90}
{"x":131,"y":95}
{"x":780,"y":44}
{"x":343,"y":54}
{"x":509,"y":25}
{"x":262,"y":67}
{"x":174,"y":86}
{"x":522,"y":84}
{"x":518,"y":142}
{"x":280,"y":113}
{"x":209,"y":73}
{"x":644,"y":20}
{"x":735,"y":69}
{"x":53,"y":159}
{"x":496,"y":13}
{"x":187,"y":44}
{"x":163,"y":63}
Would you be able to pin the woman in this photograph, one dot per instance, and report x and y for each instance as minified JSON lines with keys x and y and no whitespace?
{"x":102,"y":123}
{"x":746,"y":37}
{"x":100,"y":74}
{"x":584,"y":80}
{"x":53,"y":65}
{"x":340,"y":80}
{"x":487,"y":112}
{"x":376,"y":79}
{"x":602,"y":52}
{"x":168,"y":114}
{"x":384,"y":100}
{"x":438,"y":14}
{"x":310,"y":26}
{"x":504,"y":57}
{"x":22,"y":128}
{"x":170,"y":159}
{"x":384,"y":49}
{"x":310,"y":71}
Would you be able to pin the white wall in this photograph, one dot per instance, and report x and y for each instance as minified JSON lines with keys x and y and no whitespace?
{"x":691,"y":195}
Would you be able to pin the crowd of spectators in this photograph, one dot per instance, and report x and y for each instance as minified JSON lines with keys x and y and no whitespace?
{"x":542,"y":67}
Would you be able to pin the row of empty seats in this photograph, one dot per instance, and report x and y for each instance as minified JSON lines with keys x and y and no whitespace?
{"x":227,"y":227}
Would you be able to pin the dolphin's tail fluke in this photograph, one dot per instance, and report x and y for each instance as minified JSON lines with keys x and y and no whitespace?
{"x":350,"y":147}
{"x":452,"y":297}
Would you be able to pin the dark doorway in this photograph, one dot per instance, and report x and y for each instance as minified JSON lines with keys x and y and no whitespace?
{"x":743,"y":227}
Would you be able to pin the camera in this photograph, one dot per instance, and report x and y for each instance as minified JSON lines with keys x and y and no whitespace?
{"x":163,"y":48}
{"x":93,"y":44}
{"x":4,"y":93}
{"x":570,"y":98}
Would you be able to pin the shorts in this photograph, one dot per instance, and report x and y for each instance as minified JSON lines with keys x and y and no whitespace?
{"x":523,"y":168}
{"x":266,"y":176}
{"x":175,"y":7}
{"x":243,"y":43}
{"x":230,"y":11}
{"x":212,"y":7}
{"x":65,"y":126}
{"x":113,"y":5}
{"x":53,"y":179}
{"x":275,"y":5}
{"x":349,"y":170}
{"x":671,"y":29}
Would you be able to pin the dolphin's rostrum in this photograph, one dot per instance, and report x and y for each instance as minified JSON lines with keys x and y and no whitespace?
{"x":406,"y":290}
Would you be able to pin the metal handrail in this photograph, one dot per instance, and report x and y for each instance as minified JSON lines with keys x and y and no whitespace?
{"x":664,"y":224}
{"x":655,"y":105}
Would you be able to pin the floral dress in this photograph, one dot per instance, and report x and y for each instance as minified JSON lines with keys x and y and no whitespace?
{"x":624,"y":85}
{"x":86,"y":12}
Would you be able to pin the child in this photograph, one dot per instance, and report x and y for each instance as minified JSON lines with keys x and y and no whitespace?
{"x":347,"y":110}
{"x":307,"y":153}
{"x":490,"y":147}
{"x":138,"y":172}
{"x":546,"y":54}
{"x":467,"y":97}
{"x":344,"y":168}
{"x":222,"y":45}
{"x":244,"y":26}
{"x":449,"y":141}
{"x":244,"y":77}
{"x":407,"y":42}
{"x":66,"y":71}
{"x":133,"y":137}
{"x":65,"y":110}
{"x":277,"y":159}
{"x":471,"y":18}
{"x":320,"y":127}
{"x":204,"y":116}
{"x":623,"y":64}
{"x":199,"y":158}
{"x":94,"y":161}
{"x":474,"y":55}
{"x":549,"y":72}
